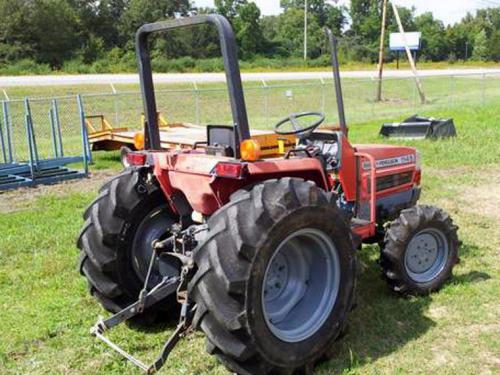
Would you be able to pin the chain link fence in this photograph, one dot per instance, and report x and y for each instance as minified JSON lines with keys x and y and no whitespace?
{"x":267,"y":103}
{"x":57,"y":130}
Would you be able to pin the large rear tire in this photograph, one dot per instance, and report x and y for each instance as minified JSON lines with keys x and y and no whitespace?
{"x":419,"y":251}
{"x":275,"y":279}
{"x":115,"y":241}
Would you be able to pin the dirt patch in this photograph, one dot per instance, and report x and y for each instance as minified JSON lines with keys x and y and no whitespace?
{"x":484,"y":196}
{"x":443,"y":357}
{"x":486,"y":200}
{"x":23,"y":198}
{"x":438,"y":312}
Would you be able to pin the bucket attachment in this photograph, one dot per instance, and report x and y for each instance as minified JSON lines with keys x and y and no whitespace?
{"x":418,"y":127}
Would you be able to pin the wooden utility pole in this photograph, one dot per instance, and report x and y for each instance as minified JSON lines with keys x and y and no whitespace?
{"x":408,"y":54}
{"x":381,"y":52}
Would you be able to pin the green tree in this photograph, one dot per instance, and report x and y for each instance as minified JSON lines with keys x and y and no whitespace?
{"x":495,"y":45}
{"x":457,"y":41}
{"x":460,"y":37}
{"x":15,"y":41}
{"x":139,"y":12}
{"x":291,"y":33}
{"x":365,"y":28}
{"x":248,"y":30}
{"x":434,"y":46}
{"x":271,"y":45}
{"x":366,"y":17}
{"x":326,"y":14}
{"x":228,"y":8}
{"x":336,"y":19}
{"x":50,"y":30}
{"x":480,"y":52}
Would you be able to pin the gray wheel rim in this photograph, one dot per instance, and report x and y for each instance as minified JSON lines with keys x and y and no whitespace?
{"x":301,"y":285}
{"x":426,"y":255}
{"x":153,"y":227}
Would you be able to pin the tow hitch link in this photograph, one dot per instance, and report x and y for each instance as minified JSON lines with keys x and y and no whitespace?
{"x":146,"y":299}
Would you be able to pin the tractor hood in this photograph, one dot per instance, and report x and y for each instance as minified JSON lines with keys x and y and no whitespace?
{"x":387,"y":156}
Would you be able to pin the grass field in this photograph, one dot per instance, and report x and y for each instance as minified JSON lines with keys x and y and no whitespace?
{"x":47,"y":312}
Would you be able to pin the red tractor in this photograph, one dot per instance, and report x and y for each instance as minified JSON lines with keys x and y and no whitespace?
{"x":255,"y":237}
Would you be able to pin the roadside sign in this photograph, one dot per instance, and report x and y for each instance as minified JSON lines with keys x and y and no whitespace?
{"x":396,"y":42}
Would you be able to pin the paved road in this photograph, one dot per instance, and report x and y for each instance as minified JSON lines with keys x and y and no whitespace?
{"x":86,"y":79}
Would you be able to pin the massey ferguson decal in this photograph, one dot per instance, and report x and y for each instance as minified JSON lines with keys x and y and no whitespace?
{"x":390,"y":162}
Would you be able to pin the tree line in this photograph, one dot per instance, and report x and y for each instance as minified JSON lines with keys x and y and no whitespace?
{"x":58,"y":33}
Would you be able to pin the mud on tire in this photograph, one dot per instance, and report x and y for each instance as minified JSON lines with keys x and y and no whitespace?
{"x":110,"y":238}
{"x":233,"y":263}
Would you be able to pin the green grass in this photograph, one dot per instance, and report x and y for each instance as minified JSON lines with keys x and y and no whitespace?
{"x":46,"y":311}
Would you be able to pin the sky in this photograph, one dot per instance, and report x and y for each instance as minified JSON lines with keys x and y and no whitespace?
{"x":448,"y":11}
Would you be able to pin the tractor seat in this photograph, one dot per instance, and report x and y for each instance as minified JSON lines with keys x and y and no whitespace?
{"x":220,"y":140}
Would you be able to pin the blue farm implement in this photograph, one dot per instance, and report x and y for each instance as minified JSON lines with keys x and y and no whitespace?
{"x":33,"y":152}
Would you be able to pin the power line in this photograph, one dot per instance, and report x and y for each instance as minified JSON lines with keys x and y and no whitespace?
{"x":490,"y":2}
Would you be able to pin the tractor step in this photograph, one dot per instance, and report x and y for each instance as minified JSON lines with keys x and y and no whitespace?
{"x":357,"y":222}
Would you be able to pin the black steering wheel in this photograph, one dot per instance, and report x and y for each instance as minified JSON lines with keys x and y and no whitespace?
{"x":300,"y":131}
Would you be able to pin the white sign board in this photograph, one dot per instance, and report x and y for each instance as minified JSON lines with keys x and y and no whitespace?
{"x":396,"y":42}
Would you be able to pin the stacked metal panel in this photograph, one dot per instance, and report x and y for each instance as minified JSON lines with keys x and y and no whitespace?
{"x":30,"y":156}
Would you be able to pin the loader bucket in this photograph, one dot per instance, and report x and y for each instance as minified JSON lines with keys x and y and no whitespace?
{"x":418,"y":127}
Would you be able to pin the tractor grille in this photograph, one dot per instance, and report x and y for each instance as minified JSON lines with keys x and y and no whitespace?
{"x":393,"y":180}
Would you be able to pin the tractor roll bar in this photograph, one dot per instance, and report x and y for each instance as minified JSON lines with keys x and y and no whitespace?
{"x":231,"y":66}
{"x":336,"y":80}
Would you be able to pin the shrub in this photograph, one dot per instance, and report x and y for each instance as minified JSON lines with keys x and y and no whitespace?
{"x":25,"y":66}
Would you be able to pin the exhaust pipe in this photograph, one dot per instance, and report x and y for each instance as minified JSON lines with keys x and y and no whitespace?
{"x":336,"y":80}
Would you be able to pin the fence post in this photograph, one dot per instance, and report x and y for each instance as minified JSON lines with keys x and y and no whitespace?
{"x":414,"y":98}
{"x":57,"y":123}
{"x":374,"y":102}
{"x":452,"y":90}
{"x":483,"y":89}
{"x":323,"y":94}
{"x":197,"y":103}
{"x":4,"y":152}
{"x":115,"y":100}
{"x":53,"y":132}
{"x":8,"y":130}
{"x":33,"y":153}
{"x":266,"y":103}
{"x":87,"y":154}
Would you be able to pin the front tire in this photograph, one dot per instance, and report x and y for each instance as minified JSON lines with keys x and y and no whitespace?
{"x":257,"y":318}
{"x":420,"y":250}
